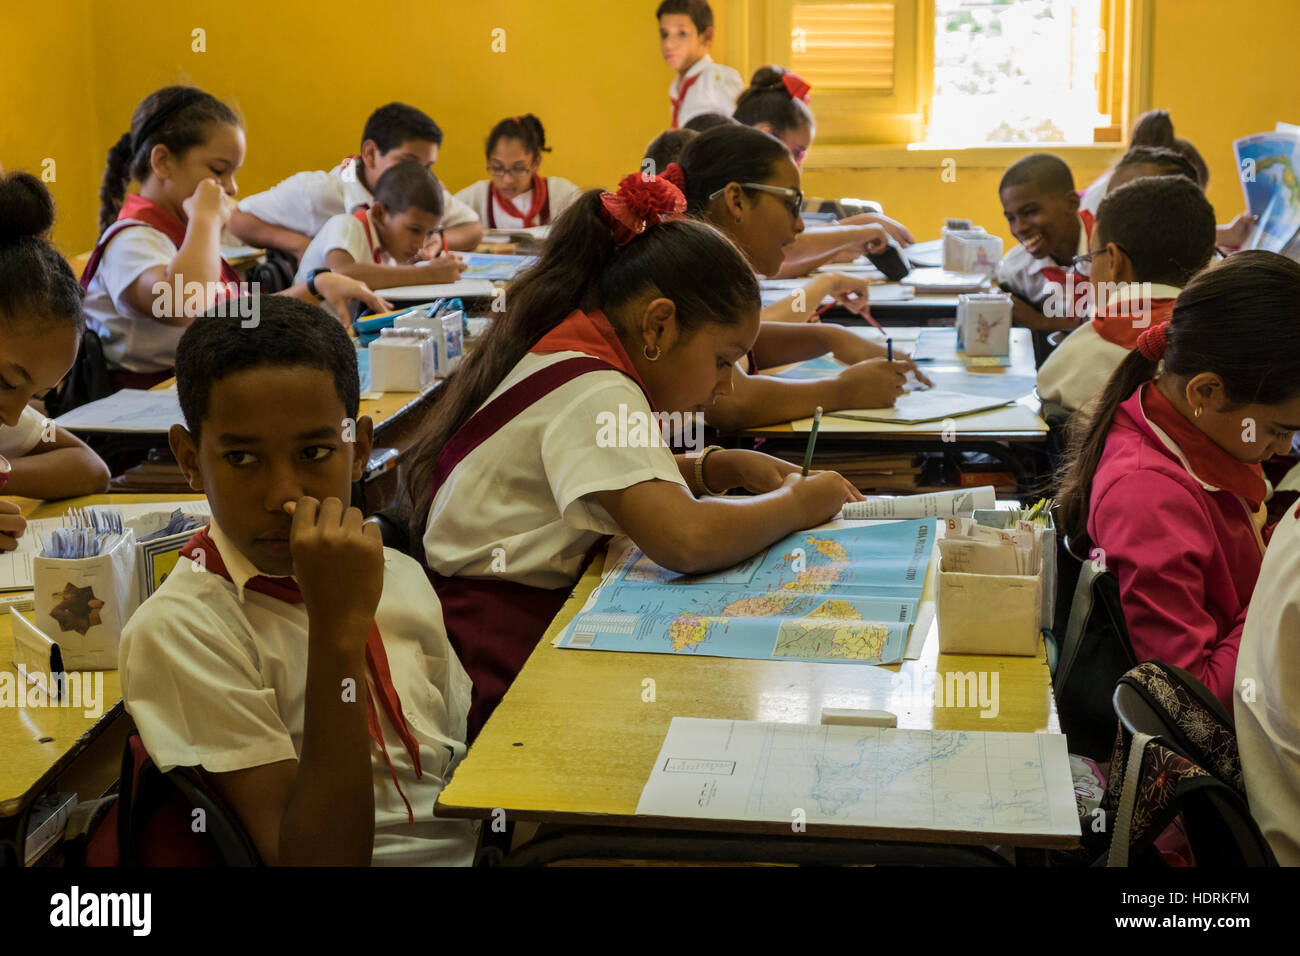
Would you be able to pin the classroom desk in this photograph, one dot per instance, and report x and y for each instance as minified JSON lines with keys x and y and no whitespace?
{"x":57,"y":747}
{"x":990,"y":432}
{"x":573,"y":743}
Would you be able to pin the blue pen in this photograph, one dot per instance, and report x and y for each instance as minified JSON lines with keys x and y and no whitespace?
{"x":889,"y":350}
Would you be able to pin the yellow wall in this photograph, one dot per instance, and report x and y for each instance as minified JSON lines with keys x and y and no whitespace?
{"x":308,"y":74}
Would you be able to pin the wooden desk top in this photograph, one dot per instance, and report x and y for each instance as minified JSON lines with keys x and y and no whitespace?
{"x":1018,"y":422}
{"x":31,"y":761}
{"x":573,"y":741}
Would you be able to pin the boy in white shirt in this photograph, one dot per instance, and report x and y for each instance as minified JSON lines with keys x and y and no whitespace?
{"x":702,"y":86}
{"x":381,"y":246}
{"x":300,"y":664}
{"x":290,"y":214}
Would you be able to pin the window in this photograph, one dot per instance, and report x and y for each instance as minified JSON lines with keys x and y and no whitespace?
{"x":955,"y":73}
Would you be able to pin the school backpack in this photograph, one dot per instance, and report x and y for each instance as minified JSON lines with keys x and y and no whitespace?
{"x":1175,"y":756}
{"x":85,"y":382}
{"x":167,"y":819}
{"x":1094,"y":651}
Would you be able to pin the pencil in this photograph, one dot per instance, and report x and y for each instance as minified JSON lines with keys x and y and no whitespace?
{"x":812,"y":440}
{"x":442,"y":234}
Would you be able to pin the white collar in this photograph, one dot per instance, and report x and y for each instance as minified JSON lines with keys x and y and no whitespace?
{"x":355,"y":194}
{"x":237,"y":565}
{"x":698,"y":67}
{"x":1167,"y":440}
{"x":1151,"y":291}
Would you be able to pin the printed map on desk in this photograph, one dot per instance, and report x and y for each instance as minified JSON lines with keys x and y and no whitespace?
{"x":845,"y":594}
{"x":482,"y":265}
{"x":971,"y":782}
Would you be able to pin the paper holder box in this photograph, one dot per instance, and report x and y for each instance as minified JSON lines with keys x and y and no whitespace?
{"x":989,"y":613}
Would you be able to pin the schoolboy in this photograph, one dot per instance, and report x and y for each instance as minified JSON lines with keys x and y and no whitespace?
{"x":300,"y":664}
{"x":701,"y":86}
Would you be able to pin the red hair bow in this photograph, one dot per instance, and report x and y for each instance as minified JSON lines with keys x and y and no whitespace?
{"x":1153,"y":341}
{"x":639,"y":204}
{"x":796,"y":86}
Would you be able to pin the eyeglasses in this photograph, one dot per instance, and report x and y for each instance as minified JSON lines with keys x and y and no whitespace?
{"x":796,"y":194}
{"x":1083,"y":264}
{"x":498,"y":171}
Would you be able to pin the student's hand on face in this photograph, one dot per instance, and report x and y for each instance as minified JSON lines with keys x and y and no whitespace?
{"x":897,"y":231}
{"x":209,"y":202}
{"x":340,"y":291}
{"x":12,"y":525}
{"x":444,"y":268}
{"x":875,"y":383}
{"x":820,"y":496}
{"x":338,"y":559}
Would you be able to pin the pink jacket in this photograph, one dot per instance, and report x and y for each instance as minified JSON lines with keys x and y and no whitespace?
{"x":1187,"y":553}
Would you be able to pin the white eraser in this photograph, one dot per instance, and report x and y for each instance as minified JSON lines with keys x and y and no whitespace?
{"x":859,"y":718}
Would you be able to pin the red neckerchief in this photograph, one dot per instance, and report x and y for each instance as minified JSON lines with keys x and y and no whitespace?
{"x":286,"y":589}
{"x":591,"y":334}
{"x":377,"y":254}
{"x":539,"y":205}
{"x":1123,"y":330}
{"x":680,"y":98}
{"x":138,"y":209}
{"x":1054,"y":273}
{"x":1209,"y":463}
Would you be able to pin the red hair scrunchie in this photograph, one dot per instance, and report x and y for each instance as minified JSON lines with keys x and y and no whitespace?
{"x":675,"y":175}
{"x":640,"y":204}
{"x":796,"y":86}
{"x":1153,"y":342}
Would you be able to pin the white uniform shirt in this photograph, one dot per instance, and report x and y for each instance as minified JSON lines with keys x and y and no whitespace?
{"x":1268,"y":727}
{"x":133,"y":340}
{"x":24,"y":435}
{"x":345,"y":232}
{"x":1095,"y":193}
{"x":215,"y":676}
{"x":715,"y":91}
{"x":305,"y":201}
{"x":527,"y":489}
{"x":1083,"y":363}
{"x":1024,"y":274}
{"x":559,"y":191}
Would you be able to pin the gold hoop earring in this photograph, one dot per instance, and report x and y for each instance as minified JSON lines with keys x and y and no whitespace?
{"x":645,"y":350}
{"x":1197,"y":413}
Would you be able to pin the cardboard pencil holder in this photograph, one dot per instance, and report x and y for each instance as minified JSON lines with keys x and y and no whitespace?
{"x":83,"y":603}
{"x":989,"y":613}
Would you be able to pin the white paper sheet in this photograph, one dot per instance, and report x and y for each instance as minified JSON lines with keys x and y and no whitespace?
{"x":967,"y":781}
{"x":929,"y":405}
{"x":130,"y":410}
{"x":937,"y":504}
{"x":465,"y":288}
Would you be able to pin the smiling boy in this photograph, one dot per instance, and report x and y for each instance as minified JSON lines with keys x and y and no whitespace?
{"x":302,"y":666}
{"x":1042,"y":212}
{"x":701,"y":86}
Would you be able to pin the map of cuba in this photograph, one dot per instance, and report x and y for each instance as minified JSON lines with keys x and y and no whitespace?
{"x":776,"y":605}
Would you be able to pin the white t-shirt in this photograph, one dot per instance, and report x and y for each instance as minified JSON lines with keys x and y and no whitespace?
{"x":305,"y":201}
{"x":1268,"y":726}
{"x":133,"y":340}
{"x":526,"y":490}
{"x":715,"y":91}
{"x":345,"y":232}
{"x":1024,"y":274}
{"x":1083,"y":363}
{"x":215,"y":676}
{"x":22,"y":437}
{"x":560,"y":194}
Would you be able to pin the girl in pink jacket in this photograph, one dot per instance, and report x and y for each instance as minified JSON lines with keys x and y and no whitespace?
{"x":1164,"y":475}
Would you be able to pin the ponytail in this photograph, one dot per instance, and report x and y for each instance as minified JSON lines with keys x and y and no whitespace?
{"x":527,"y":129}
{"x":582,"y":267}
{"x":36,"y":282}
{"x":769,"y":99}
{"x":1153,"y":128}
{"x":178,"y":117}
{"x":1239,"y":320}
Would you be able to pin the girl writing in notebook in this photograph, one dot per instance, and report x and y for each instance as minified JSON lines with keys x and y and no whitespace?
{"x":745,"y":182}
{"x":1164,"y":476}
{"x":158,"y":261}
{"x":516,"y":197}
{"x":633,"y":312}
{"x":40,"y":326}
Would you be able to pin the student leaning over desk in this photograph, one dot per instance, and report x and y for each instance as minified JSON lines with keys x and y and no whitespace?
{"x":40,"y":326}
{"x":631,"y":311}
